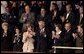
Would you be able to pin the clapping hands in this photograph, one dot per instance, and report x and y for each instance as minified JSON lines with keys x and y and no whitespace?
{"x":54,"y":35}
{"x":74,"y":35}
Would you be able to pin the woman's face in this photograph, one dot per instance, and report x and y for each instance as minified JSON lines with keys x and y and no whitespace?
{"x":68,"y":8}
{"x":79,"y":29}
{"x":5,"y":28}
{"x":29,"y":28}
{"x":17,"y":31}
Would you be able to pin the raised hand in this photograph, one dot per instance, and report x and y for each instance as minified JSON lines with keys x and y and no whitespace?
{"x":53,"y":34}
{"x":74,"y":35}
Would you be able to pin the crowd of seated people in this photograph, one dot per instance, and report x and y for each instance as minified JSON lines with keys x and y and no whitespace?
{"x":36,"y":26}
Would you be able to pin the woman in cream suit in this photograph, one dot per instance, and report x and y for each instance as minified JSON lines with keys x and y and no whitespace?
{"x":28,"y":41}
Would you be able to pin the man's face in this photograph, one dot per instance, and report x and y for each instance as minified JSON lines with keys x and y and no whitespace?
{"x":68,"y":8}
{"x":76,"y":6}
{"x":41,"y":24}
{"x":42,"y":11}
{"x":67,"y":26}
{"x":27,"y":9}
{"x":53,"y":7}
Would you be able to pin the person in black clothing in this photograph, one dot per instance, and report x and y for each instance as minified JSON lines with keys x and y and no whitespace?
{"x":57,"y":35}
{"x":5,"y":38}
{"x":68,"y":38}
{"x":69,"y":15}
{"x":44,"y":16}
{"x":17,"y":40}
{"x":42,"y":37}
{"x":55,"y":16}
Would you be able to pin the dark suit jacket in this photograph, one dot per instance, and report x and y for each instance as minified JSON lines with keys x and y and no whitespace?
{"x":55,"y":20}
{"x":42,"y":41}
{"x":68,"y":41}
{"x":71,"y":18}
{"x":58,"y":42}
{"x":68,"y":38}
{"x":6,"y":44}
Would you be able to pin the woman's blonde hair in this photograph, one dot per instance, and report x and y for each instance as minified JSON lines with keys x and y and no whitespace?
{"x":4,"y":24}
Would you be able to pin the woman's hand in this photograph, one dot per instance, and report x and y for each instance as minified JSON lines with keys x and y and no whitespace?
{"x":74,"y":35}
{"x":24,"y":18}
{"x":53,"y":34}
{"x":33,"y":33}
{"x":57,"y":36}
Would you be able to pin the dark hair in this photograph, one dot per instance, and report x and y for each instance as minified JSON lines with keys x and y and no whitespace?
{"x":16,"y":27}
{"x":67,"y":23}
{"x":41,"y":20}
{"x":43,"y":8}
{"x":69,"y":5}
{"x":59,"y":26}
{"x":56,"y":7}
{"x":80,"y":25}
{"x":25,"y":6}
